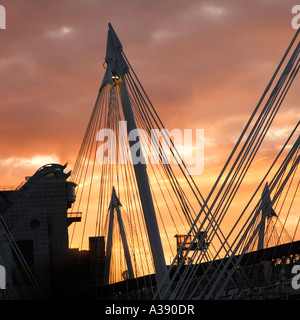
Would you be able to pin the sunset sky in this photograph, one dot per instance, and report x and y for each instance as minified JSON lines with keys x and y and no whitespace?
{"x":204,"y":64}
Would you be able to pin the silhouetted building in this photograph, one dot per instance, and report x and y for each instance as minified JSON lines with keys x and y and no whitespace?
{"x":36,"y":215}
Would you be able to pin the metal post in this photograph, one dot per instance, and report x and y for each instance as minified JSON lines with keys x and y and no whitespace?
{"x":114,"y":204}
{"x":123,"y":236}
{"x":145,"y":193}
{"x":261,"y":234}
{"x":266,"y":212}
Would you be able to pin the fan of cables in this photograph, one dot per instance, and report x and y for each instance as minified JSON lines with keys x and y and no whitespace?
{"x":221,"y":198}
{"x":105,"y":163}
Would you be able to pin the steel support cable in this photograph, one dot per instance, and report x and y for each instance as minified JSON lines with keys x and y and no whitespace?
{"x":124,"y":178}
{"x":269,"y":222}
{"x":293,"y":199}
{"x":281,"y":170}
{"x":194,"y":270}
{"x":230,"y":273}
{"x":283,"y":202}
{"x":19,"y":261}
{"x":266,"y":90}
{"x":89,"y":192}
{"x":84,"y":144}
{"x":285,"y":197}
{"x":103,"y":195}
{"x":133,"y":180}
{"x":102,"y":111}
{"x":168,"y":167}
{"x":84,"y":149}
{"x":161,"y":219}
{"x":93,"y":135}
{"x":148,"y":126}
{"x":167,"y":205}
{"x":125,"y":103}
{"x":179,"y":199}
{"x":130,"y":248}
{"x":295,"y":231}
{"x":177,"y":271}
{"x":245,"y":129}
{"x":219,"y":221}
{"x":291,"y":153}
{"x":128,"y":188}
{"x":103,"y":192}
{"x":278,"y":185}
{"x":186,"y":279}
{"x":142,"y":251}
{"x":272,"y":185}
{"x":280,"y":182}
{"x":137,"y":210}
{"x":106,"y":175}
{"x":140,"y":223}
{"x":258,"y":143}
{"x":100,"y":219}
{"x":100,"y":208}
{"x":253,"y":246}
{"x":184,"y":172}
{"x":293,"y":238}
{"x":90,"y":139}
{"x":177,"y":191}
{"x":160,"y":125}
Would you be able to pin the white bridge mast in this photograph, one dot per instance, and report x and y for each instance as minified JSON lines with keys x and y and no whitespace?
{"x":117,"y":67}
{"x":115,"y":204}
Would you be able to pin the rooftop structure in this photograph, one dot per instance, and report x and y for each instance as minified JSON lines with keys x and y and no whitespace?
{"x":36,"y":217}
